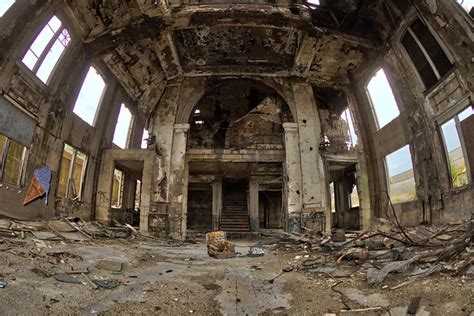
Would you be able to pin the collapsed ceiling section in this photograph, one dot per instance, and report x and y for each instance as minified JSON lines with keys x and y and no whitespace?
{"x":148,"y":43}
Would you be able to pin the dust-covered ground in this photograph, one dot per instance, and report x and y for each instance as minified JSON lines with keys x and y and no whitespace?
{"x":180,"y":279}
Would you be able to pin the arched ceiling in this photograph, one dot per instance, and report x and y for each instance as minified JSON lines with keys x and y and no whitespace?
{"x":149,"y":42}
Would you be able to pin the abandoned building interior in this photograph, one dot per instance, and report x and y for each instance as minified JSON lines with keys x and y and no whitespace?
{"x":182,"y":117}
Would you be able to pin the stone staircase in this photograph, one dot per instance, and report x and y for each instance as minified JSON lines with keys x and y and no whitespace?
{"x":235,"y":217}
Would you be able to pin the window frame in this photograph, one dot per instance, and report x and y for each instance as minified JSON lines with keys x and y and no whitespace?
{"x":388,"y":176}
{"x":46,"y":50}
{"x":440,"y":42}
{"x":371,"y":102}
{"x":71,"y":171}
{"x":24,"y":161}
{"x":100,"y":72}
{"x":130,"y":126}
{"x":8,"y":9}
{"x":465,"y":13}
{"x":453,"y":113}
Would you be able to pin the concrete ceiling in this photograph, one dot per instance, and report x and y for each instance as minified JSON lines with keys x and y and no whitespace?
{"x":147,"y":43}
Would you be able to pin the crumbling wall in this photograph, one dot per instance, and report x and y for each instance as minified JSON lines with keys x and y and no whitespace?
{"x":238,"y":114}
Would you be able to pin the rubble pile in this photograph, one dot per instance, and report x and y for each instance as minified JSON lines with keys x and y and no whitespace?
{"x":386,"y":250}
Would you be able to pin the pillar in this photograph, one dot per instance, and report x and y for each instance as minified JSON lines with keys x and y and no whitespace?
{"x":253,"y":205}
{"x":313,"y":175}
{"x":293,"y":176}
{"x":177,"y":185}
{"x":147,"y":190}
{"x":216,"y":202}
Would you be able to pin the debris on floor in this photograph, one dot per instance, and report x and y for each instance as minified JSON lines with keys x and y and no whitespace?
{"x":256,"y":251}
{"x":218,"y":246}
{"x":388,"y":250}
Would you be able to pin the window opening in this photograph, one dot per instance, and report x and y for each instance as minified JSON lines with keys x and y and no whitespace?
{"x":122,"y":128}
{"x":138,"y":195}
{"x":47,"y":49}
{"x":347,"y":116}
{"x":5,"y":5}
{"x":427,"y":55}
{"x":13,"y":157}
{"x":383,"y":101}
{"x":90,"y":96}
{"x":145,"y":138}
{"x":467,"y":5}
{"x":354,"y":197}
{"x":72,"y":173}
{"x":332,"y":192}
{"x":401,"y":179}
{"x":455,"y":151}
{"x":117,"y":188}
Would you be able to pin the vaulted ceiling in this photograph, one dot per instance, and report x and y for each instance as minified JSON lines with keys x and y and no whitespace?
{"x":148,"y":42}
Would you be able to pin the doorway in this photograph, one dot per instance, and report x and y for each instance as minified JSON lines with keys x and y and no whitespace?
{"x":344,"y":195}
{"x":199,"y":213}
{"x":270,"y":209}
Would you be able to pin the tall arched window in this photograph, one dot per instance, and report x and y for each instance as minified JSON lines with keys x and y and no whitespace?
{"x":47,"y":49}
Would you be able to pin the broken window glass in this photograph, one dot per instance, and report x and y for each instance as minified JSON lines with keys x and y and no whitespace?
{"x":12,"y":161}
{"x":117,"y":189}
{"x":427,"y":55}
{"x":145,"y":138}
{"x":5,"y":5}
{"x":347,"y":116}
{"x":72,"y":173}
{"x":122,"y":128}
{"x":46,"y":50}
{"x":401,"y":179}
{"x":456,"y":155}
{"x":382,"y":99}
{"x":90,"y":96}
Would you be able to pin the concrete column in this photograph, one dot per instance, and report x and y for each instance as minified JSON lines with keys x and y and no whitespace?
{"x":177,"y":185}
{"x":146,"y":194}
{"x":216,"y":202}
{"x":293,"y":176}
{"x":312,"y":166}
{"x":254,"y":205}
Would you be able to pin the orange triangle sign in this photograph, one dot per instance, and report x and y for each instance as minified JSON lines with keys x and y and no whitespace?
{"x":35,"y":191}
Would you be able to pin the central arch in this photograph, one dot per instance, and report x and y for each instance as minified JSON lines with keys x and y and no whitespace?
{"x":235,"y":157}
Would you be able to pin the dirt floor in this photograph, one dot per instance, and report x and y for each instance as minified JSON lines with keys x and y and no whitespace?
{"x":179,"y":279}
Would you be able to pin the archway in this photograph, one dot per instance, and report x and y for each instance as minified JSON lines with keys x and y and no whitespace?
{"x":236,"y":144}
